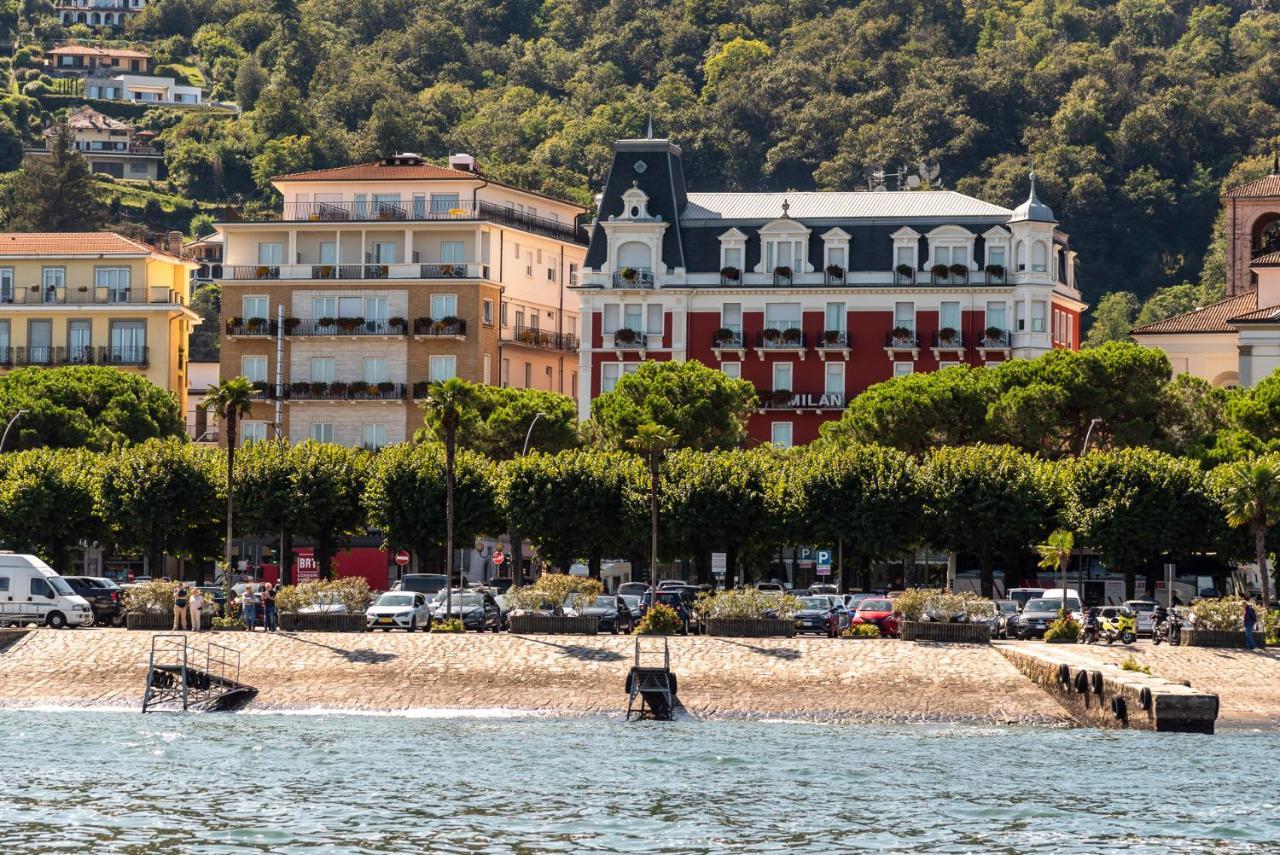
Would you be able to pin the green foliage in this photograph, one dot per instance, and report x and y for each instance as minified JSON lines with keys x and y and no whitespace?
{"x":163,"y":498}
{"x":1112,"y":318}
{"x":861,"y":630}
{"x":55,"y":193}
{"x":156,"y":597}
{"x":702,"y":406}
{"x":205,"y":340}
{"x":660,"y":619}
{"x":47,"y":503}
{"x":448,"y":625}
{"x":903,"y":412}
{"x":92,"y":407}
{"x":911,"y":602}
{"x":1220,"y":613}
{"x":229,"y":622}
{"x":352,"y":592}
{"x":1062,"y":630}
{"x":497,"y":419}
{"x":1129,"y":663}
{"x":747,"y":603}
{"x":328,"y":483}
{"x":10,"y":145}
{"x":551,"y":590}
{"x":405,"y":497}
{"x":281,"y":157}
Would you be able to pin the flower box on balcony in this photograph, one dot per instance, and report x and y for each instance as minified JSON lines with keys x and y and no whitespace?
{"x":299,"y":389}
{"x":782,"y":275}
{"x":792,"y":335}
{"x":256,"y":325}
{"x":359,"y":387}
{"x":772,"y":334}
{"x":831,"y":337}
{"x":996,"y":271}
{"x":291,"y":324}
{"x":338,"y":390}
{"x":233,"y":323}
{"x":905,"y":270}
{"x":422,"y":326}
{"x":397,"y":323}
{"x":421,"y":389}
{"x":959,"y":271}
{"x":947,"y":336}
{"x":724,"y":337}
{"x":325,"y":271}
{"x":625,"y":336}
{"x":730,"y":274}
{"x":349,"y":324}
{"x":629,"y":274}
{"x":940,"y":271}
{"x":386,"y":387}
{"x":325,"y":322}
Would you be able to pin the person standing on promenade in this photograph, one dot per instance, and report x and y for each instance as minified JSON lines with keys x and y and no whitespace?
{"x":270,"y":620}
{"x":197,"y":608}
{"x":1250,"y":619}
{"x":180,"y":608}
{"x":249,"y":601}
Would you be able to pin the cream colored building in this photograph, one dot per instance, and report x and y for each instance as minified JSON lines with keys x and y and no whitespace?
{"x":375,"y":280}
{"x":1236,"y":341}
{"x":94,"y":298}
{"x":110,"y":146}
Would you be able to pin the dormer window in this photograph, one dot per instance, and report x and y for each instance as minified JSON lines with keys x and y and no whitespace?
{"x":784,"y":243}
{"x":733,"y":250}
{"x":835,"y":249}
{"x":951,"y":246}
{"x":635,"y":204}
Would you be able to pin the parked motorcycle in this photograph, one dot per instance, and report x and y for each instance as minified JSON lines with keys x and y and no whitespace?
{"x":1166,"y":626}
{"x":1121,"y":624}
{"x":1090,"y":629}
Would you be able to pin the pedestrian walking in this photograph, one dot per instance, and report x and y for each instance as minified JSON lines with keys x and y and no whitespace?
{"x":180,"y":608}
{"x":269,"y":617}
{"x":249,"y":607}
{"x":1250,"y":620}
{"x":197,"y":608}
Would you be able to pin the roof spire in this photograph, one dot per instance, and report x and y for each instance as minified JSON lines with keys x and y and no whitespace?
{"x":1032,"y":196}
{"x":648,"y":132}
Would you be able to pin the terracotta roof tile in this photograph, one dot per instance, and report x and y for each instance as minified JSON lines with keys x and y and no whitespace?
{"x":86,"y":50}
{"x":69,"y":243}
{"x":1271,"y":259}
{"x":378,"y":171}
{"x":1207,"y":319}
{"x":1267,"y":185}
{"x":1270,"y":313}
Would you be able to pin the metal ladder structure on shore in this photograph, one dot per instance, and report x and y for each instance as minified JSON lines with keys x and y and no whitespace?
{"x":651,"y":691}
{"x":181,"y":677}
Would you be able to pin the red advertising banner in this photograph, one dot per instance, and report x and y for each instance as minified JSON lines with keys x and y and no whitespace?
{"x":305,"y":566}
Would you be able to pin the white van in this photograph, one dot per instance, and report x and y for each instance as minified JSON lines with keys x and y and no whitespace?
{"x":31,"y":592}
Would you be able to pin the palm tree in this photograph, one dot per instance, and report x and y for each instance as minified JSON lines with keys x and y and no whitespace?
{"x":445,"y":406}
{"x":231,"y":400}
{"x":1249,"y":492}
{"x":652,"y":441}
{"x":1055,"y":553}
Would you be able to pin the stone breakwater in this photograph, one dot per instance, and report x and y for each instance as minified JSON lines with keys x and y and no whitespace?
{"x":811,"y":679}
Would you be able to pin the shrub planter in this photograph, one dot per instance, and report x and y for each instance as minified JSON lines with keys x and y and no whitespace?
{"x":322,"y":622}
{"x":1220,"y":638}
{"x":751,"y":627}
{"x":958,"y":633}
{"x":160,"y":622}
{"x":553,"y":625}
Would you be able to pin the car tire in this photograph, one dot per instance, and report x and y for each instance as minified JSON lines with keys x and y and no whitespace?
{"x":56,"y":620}
{"x":1128,"y":637}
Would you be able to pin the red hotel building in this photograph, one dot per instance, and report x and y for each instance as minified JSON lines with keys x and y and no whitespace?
{"x":813,"y":296}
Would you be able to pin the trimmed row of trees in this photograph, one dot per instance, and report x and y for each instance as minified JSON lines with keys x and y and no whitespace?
{"x":1133,"y":506}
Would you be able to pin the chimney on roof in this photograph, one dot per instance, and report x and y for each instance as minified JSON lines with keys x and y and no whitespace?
{"x":463,"y":162}
{"x":406,"y":158}
{"x":173,"y":242}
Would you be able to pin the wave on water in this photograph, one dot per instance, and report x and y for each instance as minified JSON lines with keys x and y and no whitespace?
{"x":416,"y":712}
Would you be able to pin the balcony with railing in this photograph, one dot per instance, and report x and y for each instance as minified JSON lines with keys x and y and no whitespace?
{"x":785,"y":335}
{"x":628,"y":339}
{"x":447,"y":327}
{"x":341,"y":391}
{"x":134,"y":355}
{"x":565,"y":342}
{"x":432,"y":270}
{"x":833,"y":340}
{"x":994,"y":338}
{"x":84,"y":295}
{"x":901,"y":338}
{"x":948,"y":338}
{"x":728,"y":338}
{"x":48,"y":355}
{"x":633,"y":277}
{"x":416,"y":211}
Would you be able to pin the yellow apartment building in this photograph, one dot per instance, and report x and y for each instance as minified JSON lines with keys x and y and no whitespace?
{"x":95,"y":298}
{"x":374,"y":280}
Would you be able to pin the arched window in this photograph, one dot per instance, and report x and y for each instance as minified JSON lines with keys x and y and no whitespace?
{"x":634,"y":254}
{"x":1020,"y":256}
{"x":1039,"y":257}
{"x":95,"y":19}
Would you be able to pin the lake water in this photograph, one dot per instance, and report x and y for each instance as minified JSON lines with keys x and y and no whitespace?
{"x":121,"y":782}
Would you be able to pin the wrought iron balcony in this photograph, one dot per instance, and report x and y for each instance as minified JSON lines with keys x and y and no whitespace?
{"x":547,"y":340}
{"x":448,"y":326}
{"x":948,"y":339}
{"x":135,"y":355}
{"x":629,"y":339}
{"x":729,"y":338}
{"x":994,"y":339}
{"x":789,"y":337}
{"x":342,"y":391}
{"x":433,"y":270}
{"x":833,"y":340}
{"x":631,"y":277}
{"x":902,"y":339}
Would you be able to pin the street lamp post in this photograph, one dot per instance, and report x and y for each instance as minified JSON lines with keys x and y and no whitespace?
{"x":514,"y":555}
{"x":1088,"y":433}
{"x":9,"y":426}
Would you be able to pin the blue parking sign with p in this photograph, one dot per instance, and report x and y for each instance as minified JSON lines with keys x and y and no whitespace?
{"x":823,"y":561}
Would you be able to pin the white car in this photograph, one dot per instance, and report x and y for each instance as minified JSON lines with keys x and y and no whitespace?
{"x":325,"y":604}
{"x":405,"y":610}
{"x":1144,"y":610}
{"x":31,"y":592}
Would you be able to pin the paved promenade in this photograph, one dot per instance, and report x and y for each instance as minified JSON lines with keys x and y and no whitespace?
{"x":810,"y":678}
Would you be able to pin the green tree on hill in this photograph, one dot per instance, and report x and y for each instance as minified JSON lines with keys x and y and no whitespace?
{"x":54,"y":194}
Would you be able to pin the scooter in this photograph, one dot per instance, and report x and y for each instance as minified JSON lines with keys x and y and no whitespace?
{"x":1167,"y":628}
{"x":1122,"y":626}
{"x":1089,"y":630}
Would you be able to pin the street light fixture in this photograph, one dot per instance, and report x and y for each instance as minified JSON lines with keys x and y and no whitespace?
{"x":9,"y":426}
{"x":1088,"y":433}
{"x":514,"y":555}
{"x":529,"y":432}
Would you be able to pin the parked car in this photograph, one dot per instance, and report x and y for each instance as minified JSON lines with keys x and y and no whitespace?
{"x":1144,"y":610}
{"x":325,"y":604}
{"x":613,"y":613}
{"x":769,"y":586}
{"x":671,"y":583}
{"x":104,"y":597}
{"x":1022,"y":595}
{"x":673,"y":600}
{"x":843,"y":614}
{"x":823,"y":589}
{"x":817,"y":615}
{"x":399,"y":610}
{"x":1007,"y":609}
{"x":637,"y":589}
{"x":633,"y":603}
{"x":422,"y":583}
{"x":877,"y":611}
{"x":34,"y":594}
{"x":479,"y":611}
{"x":987,"y":614}
{"x":1035,"y":618}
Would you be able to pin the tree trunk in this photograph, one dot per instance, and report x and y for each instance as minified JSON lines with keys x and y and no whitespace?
{"x":450,"y":441}
{"x":653,"y":520}
{"x":593,"y":563}
{"x":286,"y":558}
{"x":231,"y":501}
{"x":324,"y":557}
{"x":730,"y":566}
{"x":1130,"y":582}
{"x":1260,"y":551}
{"x":987,"y":576}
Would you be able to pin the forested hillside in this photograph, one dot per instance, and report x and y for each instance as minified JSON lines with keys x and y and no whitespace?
{"x":1133,"y":112}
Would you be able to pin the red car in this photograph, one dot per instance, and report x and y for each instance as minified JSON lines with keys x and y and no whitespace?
{"x":879,"y":612}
